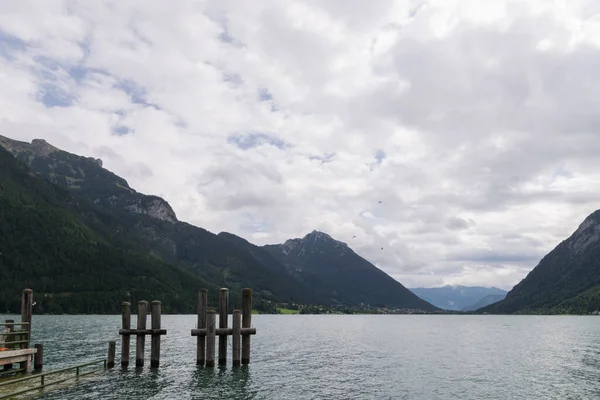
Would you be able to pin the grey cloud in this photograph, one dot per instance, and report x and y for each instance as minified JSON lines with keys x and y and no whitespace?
{"x":457,"y":223}
{"x":435,"y":127}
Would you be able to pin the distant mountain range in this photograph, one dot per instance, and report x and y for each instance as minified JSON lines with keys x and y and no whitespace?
{"x":566,"y":280}
{"x":84,"y":240}
{"x":486,"y":301}
{"x":459,"y":298}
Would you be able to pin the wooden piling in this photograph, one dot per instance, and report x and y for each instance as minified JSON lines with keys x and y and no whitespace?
{"x":201,"y":340}
{"x":38,"y":359}
{"x":125,"y":339}
{"x":246,"y":323}
{"x":155,"y":341}
{"x":26,"y":312}
{"x":210,"y":338}
{"x":110,"y":359}
{"x":237,"y":327}
{"x":142,"y":316}
{"x":223,"y":310}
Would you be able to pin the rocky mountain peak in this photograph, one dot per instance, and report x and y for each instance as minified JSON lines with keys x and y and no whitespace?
{"x":314,"y":241}
{"x":42,"y":148}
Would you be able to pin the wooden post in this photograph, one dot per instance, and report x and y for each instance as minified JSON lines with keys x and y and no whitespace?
{"x":155,"y":343}
{"x":110,"y":359}
{"x":38,"y":360}
{"x":142,"y":316}
{"x":246,"y":323}
{"x":201,"y":340}
{"x":125,"y":339}
{"x":26,"y":311}
{"x":9,"y":338}
{"x":210,"y":338}
{"x":223,"y":310}
{"x":237,"y":328}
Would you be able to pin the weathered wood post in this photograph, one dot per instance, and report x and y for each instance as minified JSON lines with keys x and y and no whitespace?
{"x":38,"y":359}
{"x":201,"y":339}
{"x":125,"y":338}
{"x":155,"y":341}
{"x":142,"y":316}
{"x":210,"y":338}
{"x":246,"y":323}
{"x":9,"y":338}
{"x":223,"y":310}
{"x":110,"y":359}
{"x":237,"y":328}
{"x":26,"y":311}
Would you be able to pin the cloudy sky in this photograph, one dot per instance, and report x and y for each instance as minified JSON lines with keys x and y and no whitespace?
{"x":475,"y":123}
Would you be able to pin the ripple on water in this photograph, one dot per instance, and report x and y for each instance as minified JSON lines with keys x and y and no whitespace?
{"x":341,"y":357}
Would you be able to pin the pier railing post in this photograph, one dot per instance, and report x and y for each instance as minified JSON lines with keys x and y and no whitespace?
{"x":155,"y":341}
{"x":9,"y":338}
{"x":201,"y":340}
{"x":26,"y":311}
{"x":210,"y":338}
{"x":223,"y":310}
{"x":142,"y":316}
{"x":125,"y":338}
{"x":246,"y":323}
{"x":237,"y":328}
{"x":110,"y":359}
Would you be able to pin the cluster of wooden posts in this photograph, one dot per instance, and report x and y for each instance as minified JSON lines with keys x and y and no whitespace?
{"x":205,"y":331}
{"x":155,"y":332}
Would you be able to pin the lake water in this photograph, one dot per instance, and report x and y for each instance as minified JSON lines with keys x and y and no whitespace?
{"x":343,"y":357}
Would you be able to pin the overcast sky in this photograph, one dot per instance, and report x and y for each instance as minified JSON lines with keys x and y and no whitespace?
{"x":475,"y":123}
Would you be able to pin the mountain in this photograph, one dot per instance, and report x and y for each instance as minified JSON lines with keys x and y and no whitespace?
{"x":45,"y":244}
{"x":148,"y":225}
{"x":455,"y":297}
{"x":331,"y":270}
{"x":566,"y":280}
{"x":486,"y":301}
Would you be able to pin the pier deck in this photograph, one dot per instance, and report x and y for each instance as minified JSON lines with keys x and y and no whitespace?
{"x":22,"y":356}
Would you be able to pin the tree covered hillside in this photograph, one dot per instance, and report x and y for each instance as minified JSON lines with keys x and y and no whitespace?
{"x":46,"y":246}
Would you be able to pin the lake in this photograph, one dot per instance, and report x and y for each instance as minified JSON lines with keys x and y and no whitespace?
{"x":343,"y":356}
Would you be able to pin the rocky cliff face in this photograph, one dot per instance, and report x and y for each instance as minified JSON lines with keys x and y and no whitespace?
{"x":87,"y":176}
{"x":586,"y":235}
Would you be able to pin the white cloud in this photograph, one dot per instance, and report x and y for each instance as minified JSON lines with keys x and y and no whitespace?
{"x":473,"y":122}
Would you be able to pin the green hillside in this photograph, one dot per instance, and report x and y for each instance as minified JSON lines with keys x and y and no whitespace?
{"x":567,"y":280}
{"x":46,"y":246}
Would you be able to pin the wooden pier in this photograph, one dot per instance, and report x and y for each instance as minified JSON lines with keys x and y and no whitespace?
{"x":207,"y":331}
{"x":16,"y":343}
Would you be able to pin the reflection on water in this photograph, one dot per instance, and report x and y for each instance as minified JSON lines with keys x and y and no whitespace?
{"x":222,"y":382}
{"x":341,"y":357}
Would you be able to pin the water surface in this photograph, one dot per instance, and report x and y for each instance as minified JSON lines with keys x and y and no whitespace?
{"x":343,"y":356}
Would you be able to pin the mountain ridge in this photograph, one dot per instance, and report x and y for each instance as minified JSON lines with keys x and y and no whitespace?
{"x":49,"y":245}
{"x":566,"y":280}
{"x":150,"y":224}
